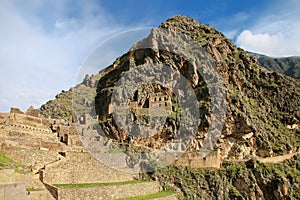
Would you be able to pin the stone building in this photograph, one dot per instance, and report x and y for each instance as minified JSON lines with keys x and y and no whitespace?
{"x":151,"y":105}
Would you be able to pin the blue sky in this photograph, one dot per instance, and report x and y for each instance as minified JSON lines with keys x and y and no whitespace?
{"x":44,"y":44}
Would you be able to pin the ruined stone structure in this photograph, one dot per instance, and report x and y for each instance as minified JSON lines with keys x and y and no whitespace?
{"x":193,"y":160}
{"x":51,"y":154}
{"x":87,"y":119}
{"x":151,"y":105}
{"x":33,"y":112}
{"x":16,"y":110}
{"x":55,"y":154}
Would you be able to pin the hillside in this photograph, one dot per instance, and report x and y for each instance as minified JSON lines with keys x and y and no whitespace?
{"x":63,"y":106}
{"x":289,"y":66}
{"x":249,"y":116}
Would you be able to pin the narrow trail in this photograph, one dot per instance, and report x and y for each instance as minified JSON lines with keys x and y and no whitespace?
{"x":277,"y":159}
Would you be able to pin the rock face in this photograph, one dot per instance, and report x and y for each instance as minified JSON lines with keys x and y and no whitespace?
{"x":261,"y":103}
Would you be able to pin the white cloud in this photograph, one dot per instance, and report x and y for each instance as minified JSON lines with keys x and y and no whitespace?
{"x":260,"y":43}
{"x":278,"y":44}
{"x":275,"y":31}
{"x":66,"y":23}
{"x":40,"y":57}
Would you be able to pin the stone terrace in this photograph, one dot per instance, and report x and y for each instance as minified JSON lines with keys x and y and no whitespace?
{"x":59,"y":158}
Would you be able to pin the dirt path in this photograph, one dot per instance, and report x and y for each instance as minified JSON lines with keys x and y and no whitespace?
{"x":277,"y":159}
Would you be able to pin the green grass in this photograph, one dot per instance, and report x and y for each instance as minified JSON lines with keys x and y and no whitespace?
{"x":150,"y":196}
{"x":33,"y":189}
{"x":22,"y":171}
{"x":4,"y":158}
{"x":6,"y":162}
{"x":85,"y":185}
{"x":114,"y":151}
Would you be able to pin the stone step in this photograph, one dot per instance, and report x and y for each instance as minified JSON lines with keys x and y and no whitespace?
{"x":108,"y":191}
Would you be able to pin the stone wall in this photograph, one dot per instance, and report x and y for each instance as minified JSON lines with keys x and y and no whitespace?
{"x":31,"y":157}
{"x":33,"y":112}
{"x":108,"y":192}
{"x":28,"y":141}
{"x":12,"y":192}
{"x":31,"y":128}
{"x":81,"y":168}
{"x":39,"y":195}
{"x":212,"y":160}
{"x":4,"y":119}
{"x":52,"y":190}
{"x":16,"y":110}
{"x":23,"y":119}
{"x":7,"y":176}
{"x":277,"y":159}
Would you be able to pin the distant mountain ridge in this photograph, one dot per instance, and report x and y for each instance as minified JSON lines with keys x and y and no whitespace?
{"x":289,"y":66}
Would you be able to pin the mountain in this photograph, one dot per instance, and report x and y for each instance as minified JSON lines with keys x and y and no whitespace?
{"x":260,"y":102}
{"x":248,"y":116}
{"x":289,"y":66}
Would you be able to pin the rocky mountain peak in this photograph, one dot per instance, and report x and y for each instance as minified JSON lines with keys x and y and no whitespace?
{"x":188,"y":25}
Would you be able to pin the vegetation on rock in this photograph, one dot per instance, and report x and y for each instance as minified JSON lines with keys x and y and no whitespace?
{"x":235,"y":181}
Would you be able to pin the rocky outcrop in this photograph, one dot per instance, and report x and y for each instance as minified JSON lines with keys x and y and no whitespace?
{"x":78,"y":99}
{"x":33,"y":112}
{"x":60,"y":107}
